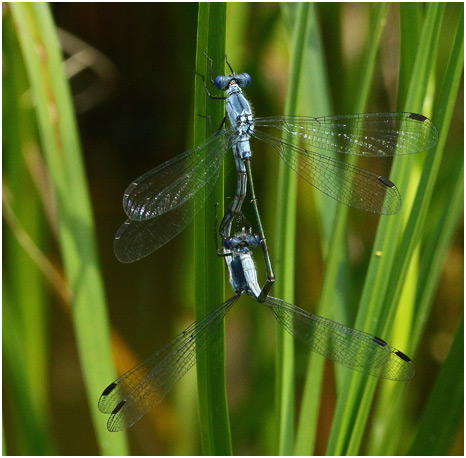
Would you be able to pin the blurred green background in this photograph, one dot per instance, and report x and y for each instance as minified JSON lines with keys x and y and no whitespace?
{"x":130,"y":68}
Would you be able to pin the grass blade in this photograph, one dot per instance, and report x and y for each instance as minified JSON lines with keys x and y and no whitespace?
{"x":444,"y":409}
{"x":213,"y":407}
{"x":285,"y":247}
{"x":336,"y":262}
{"x":26,"y":301}
{"x":59,"y":140}
{"x":406,"y":255}
{"x":402,"y":256}
{"x":316,"y":99}
{"x":436,"y":249}
{"x":373,"y":316}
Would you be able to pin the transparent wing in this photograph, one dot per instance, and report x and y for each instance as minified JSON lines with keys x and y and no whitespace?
{"x":173,"y":183}
{"x":132,"y":395}
{"x":363,"y":134}
{"x":349,"y":347}
{"x":345,"y":183}
{"x":135,"y":240}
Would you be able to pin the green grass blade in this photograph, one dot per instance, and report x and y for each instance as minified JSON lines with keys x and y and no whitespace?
{"x":414,"y":228}
{"x":285,"y":247}
{"x":411,"y":14}
{"x":336,"y":261}
{"x":452,"y":190}
{"x":315,"y":99}
{"x":400,"y":258}
{"x":30,"y":434}
{"x":354,"y":402}
{"x":60,"y":143}
{"x":209,"y":281}
{"x":444,"y":409}
{"x":24,"y":280}
{"x":436,"y":249}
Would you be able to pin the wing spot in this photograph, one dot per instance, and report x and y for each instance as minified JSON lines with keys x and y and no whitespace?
{"x":118,"y":407}
{"x":379,"y":341}
{"x":417,"y":117}
{"x":109,"y":389}
{"x":386,"y":181}
{"x":403,"y":356}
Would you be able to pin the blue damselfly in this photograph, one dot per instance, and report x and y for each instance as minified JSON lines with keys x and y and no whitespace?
{"x":143,"y":387}
{"x":161,"y":203}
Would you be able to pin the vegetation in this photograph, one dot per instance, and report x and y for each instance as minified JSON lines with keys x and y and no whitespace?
{"x":65,"y":169}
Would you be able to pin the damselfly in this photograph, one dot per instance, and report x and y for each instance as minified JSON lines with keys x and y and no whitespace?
{"x":161,"y":203}
{"x":143,"y":387}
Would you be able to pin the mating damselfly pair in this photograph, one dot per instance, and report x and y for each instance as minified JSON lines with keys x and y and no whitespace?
{"x":162,"y":202}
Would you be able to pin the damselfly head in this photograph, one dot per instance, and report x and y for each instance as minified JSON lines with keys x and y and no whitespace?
{"x":223,"y":82}
{"x":241,"y":239}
